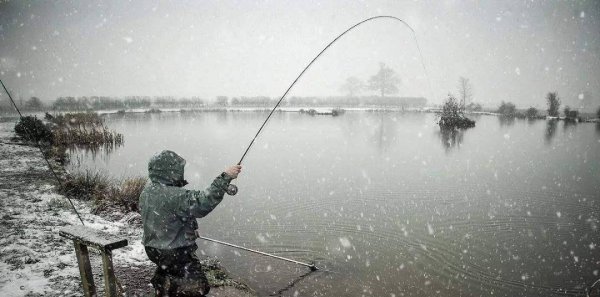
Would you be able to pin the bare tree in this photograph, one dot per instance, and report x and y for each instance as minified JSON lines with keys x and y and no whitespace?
{"x":465,"y":91}
{"x":353,"y":86}
{"x":385,"y":81}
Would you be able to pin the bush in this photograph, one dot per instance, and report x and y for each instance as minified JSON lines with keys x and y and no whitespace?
{"x":571,"y":115}
{"x":33,"y":129}
{"x":106,"y":193}
{"x":474,"y":107}
{"x":128,"y":194}
{"x":531,"y":113}
{"x":451,"y":116}
{"x":88,"y":185}
{"x":507,"y":109}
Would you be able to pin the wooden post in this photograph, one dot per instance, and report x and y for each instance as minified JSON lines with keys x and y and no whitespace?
{"x":110,"y":281}
{"x":85,"y":269}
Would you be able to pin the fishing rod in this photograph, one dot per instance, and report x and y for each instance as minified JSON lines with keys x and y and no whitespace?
{"x":232,"y":189}
{"x":311,"y":266}
{"x":37,"y":144}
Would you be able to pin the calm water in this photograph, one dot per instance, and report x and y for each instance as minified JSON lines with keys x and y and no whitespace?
{"x":386,"y":202}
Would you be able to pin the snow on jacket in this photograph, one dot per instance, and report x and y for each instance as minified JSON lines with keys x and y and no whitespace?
{"x":169,"y":212}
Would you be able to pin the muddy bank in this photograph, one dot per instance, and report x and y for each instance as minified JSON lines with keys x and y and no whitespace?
{"x":34,"y":259}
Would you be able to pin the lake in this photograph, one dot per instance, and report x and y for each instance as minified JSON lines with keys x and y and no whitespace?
{"x":384,"y":201}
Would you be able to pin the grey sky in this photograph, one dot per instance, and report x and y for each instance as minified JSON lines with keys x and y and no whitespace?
{"x":511,"y":50}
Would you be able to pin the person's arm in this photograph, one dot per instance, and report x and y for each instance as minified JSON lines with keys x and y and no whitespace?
{"x":201,"y":203}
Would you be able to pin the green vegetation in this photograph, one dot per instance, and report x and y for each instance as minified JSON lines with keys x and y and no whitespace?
{"x":507,"y":109}
{"x":553,"y":104}
{"x":82,"y":129}
{"x":452,"y":116}
{"x":531,"y":113}
{"x":105,"y":192}
{"x":385,"y":81}
{"x":33,"y":129}
{"x":153,"y":110}
{"x":571,"y":115}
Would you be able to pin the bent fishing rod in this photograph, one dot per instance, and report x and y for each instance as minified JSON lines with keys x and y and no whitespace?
{"x":232,"y":189}
{"x":39,"y":146}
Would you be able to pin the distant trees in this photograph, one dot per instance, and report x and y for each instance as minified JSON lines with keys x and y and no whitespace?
{"x":571,"y":115}
{"x":507,"y":109}
{"x":473,"y":107}
{"x":34,"y":103}
{"x":531,"y":113}
{"x":101,"y":102}
{"x":465,"y":91}
{"x":385,"y":81}
{"x":553,"y":104}
{"x":222,"y":100}
{"x":352,"y":86}
{"x":598,"y":112}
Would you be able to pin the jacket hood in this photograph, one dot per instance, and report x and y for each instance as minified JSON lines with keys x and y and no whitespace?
{"x":166,"y":168}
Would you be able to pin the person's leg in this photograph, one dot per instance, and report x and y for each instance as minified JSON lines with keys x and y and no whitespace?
{"x":159,"y":277}
{"x":179,"y":272}
{"x":193,"y":282}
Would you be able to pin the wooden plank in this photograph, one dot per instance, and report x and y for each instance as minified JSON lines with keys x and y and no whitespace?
{"x":92,"y":237}
{"x":85,"y":270}
{"x":110,"y":281}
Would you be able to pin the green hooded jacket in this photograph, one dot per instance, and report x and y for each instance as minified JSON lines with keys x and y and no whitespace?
{"x":169,"y":211}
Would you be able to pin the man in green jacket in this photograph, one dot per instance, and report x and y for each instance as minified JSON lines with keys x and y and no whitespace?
{"x":169,"y":214}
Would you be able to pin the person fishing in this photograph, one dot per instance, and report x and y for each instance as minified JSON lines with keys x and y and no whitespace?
{"x":169,"y":214}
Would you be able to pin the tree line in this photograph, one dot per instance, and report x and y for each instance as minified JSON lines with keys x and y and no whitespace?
{"x":553,"y":103}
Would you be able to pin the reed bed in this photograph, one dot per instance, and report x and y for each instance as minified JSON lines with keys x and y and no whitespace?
{"x":82,"y":129}
{"x":105,"y":192}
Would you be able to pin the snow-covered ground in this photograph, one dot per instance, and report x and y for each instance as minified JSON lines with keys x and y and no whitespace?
{"x":34,"y":259}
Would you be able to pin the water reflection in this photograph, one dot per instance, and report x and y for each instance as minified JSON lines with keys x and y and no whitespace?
{"x":403,"y":230}
{"x":598,"y":128}
{"x":550,"y":130}
{"x":451,"y":138}
{"x":569,"y":124}
{"x":506,"y":121}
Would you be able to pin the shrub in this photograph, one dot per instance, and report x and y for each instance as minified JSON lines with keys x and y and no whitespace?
{"x":474,"y":107}
{"x":106,"y":193}
{"x":571,"y":115}
{"x":531,"y":113}
{"x":128,"y":194}
{"x":451,"y":116}
{"x":33,"y":129}
{"x":87,"y":185}
{"x":507,"y":109}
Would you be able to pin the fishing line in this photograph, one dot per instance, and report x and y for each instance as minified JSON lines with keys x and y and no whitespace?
{"x":232,"y":189}
{"x":37,"y":144}
{"x":320,"y":53}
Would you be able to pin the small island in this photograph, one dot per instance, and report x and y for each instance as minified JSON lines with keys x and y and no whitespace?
{"x":452,"y":116}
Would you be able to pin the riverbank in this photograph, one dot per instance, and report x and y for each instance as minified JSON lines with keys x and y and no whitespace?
{"x":35,"y":260}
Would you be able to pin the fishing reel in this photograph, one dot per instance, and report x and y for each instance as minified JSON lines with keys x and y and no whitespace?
{"x":231,"y":190}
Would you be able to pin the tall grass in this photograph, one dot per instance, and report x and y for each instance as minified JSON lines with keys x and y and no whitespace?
{"x":83,"y":129}
{"x":106,"y":193}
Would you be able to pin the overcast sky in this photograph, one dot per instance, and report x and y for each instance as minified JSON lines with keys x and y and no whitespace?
{"x":510,"y":50}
